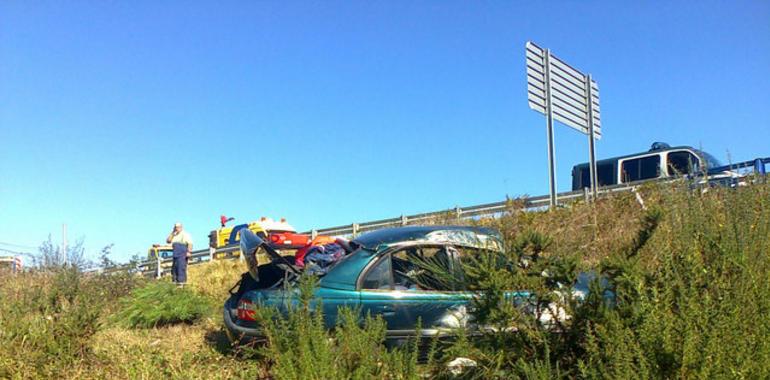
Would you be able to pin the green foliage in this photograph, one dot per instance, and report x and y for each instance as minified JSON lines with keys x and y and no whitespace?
{"x":300,"y":347}
{"x":161,"y":303}
{"x":47,"y":319}
{"x":691,"y":295}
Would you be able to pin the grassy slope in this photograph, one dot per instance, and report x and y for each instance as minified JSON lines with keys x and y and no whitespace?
{"x":593,"y":232}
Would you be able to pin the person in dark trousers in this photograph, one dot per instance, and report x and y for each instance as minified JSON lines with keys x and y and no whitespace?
{"x":181,"y":243}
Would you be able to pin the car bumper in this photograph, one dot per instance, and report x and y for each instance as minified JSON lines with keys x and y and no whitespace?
{"x":236,"y":332}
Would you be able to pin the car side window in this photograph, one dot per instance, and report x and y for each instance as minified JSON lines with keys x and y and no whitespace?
{"x":424,"y":268}
{"x":641,"y":168}
{"x":378,"y":278}
{"x":680,"y":163}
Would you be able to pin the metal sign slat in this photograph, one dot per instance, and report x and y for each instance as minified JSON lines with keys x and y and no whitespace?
{"x":569,"y":118}
{"x":566,"y":96}
{"x":578,"y":114}
{"x":534,"y":59}
{"x":536,"y":74}
{"x":564,"y":67}
{"x":531,"y":46}
{"x":536,"y":107}
{"x":563,"y":76}
{"x":536,"y":92}
{"x":571,"y":91}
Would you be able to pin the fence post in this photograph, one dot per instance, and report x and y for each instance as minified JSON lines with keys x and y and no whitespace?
{"x":458,"y":212}
{"x":160,"y":268}
{"x":355,"y":229}
{"x":404,"y":220}
{"x":586,"y":195}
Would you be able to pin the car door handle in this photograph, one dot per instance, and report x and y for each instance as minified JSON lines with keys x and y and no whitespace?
{"x":386,"y":311}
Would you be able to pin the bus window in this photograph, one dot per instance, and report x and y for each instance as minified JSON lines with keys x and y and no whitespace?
{"x":585,"y":177}
{"x":641,"y":168}
{"x":581,"y":175}
{"x":606,"y":174}
{"x":682,"y":162}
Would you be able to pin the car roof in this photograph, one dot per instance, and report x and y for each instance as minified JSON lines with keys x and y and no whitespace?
{"x":710,"y":160}
{"x":345,"y":273}
{"x":479,"y":237}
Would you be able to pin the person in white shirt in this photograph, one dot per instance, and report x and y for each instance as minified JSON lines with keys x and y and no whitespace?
{"x":181,"y":243}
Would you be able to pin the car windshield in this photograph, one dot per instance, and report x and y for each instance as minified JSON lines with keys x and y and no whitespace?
{"x":711,"y":161}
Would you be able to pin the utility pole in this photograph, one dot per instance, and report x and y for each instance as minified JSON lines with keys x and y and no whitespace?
{"x":64,"y":242}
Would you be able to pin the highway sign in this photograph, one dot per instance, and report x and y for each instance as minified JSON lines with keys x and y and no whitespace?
{"x":569,"y":92}
{"x":561,"y":92}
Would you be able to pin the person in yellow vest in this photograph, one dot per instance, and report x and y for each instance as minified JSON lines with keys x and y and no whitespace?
{"x":181,"y":243}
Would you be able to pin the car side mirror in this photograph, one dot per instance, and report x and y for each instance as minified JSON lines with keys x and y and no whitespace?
{"x":251,"y":244}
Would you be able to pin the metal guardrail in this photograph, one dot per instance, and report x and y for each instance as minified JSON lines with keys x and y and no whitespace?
{"x":488,"y":209}
{"x":156,"y":267}
{"x":161,"y":266}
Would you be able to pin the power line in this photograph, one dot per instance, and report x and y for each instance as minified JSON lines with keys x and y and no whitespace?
{"x":14,"y":252}
{"x":17,"y":245}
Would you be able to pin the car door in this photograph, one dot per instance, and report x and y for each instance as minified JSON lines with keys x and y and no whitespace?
{"x":404,"y":288}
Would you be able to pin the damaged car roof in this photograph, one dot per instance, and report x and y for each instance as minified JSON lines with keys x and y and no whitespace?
{"x":476,"y":237}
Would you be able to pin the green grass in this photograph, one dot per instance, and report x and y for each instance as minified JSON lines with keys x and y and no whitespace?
{"x":691,"y":273}
{"x":162,"y":303}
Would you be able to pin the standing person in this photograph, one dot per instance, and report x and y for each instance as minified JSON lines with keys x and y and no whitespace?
{"x":181,"y":243}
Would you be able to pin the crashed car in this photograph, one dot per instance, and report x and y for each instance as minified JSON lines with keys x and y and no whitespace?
{"x":379,"y":274}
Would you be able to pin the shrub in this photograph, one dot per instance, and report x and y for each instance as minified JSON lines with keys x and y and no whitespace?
{"x":691,"y":286}
{"x":300,"y":347}
{"x":161,"y":303}
{"x":47,"y":318}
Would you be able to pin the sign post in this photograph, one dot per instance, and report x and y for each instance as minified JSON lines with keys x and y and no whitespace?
{"x":561,"y":92}
{"x":591,"y":140}
{"x":549,"y":126}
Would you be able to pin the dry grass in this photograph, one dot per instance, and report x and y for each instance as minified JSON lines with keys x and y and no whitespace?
{"x":174,"y":352}
{"x":214,"y":279}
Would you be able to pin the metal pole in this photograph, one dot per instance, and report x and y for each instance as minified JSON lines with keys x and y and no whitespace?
{"x":549,"y":125}
{"x":64,"y":242}
{"x":591,"y":138}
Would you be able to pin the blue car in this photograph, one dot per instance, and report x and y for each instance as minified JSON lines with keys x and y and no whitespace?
{"x":383,"y":273}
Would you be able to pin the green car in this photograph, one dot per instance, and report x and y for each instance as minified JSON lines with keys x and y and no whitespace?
{"x":385,"y":272}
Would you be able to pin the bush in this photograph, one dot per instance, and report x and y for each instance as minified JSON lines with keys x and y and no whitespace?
{"x":161,"y":303}
{"x":300,"y":347}
{"x":691,"y":286}
{"x":47,"y":319}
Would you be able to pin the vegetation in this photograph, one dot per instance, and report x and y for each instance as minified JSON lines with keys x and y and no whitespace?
{"x":689,"y":270}
{"x":300,"y":347}
{"x":161,"y":303}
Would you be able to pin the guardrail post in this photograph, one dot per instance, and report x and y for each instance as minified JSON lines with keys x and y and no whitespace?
{"x":586,"y":195}
{"x":159,"y":272}
{"x":404,"y":220}
{"x":313,"y":234}
{"x":458,"y":212}
{"x":355,"y":229}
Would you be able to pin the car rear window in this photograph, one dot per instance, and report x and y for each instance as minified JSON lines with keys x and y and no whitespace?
{"x":378,"y":278}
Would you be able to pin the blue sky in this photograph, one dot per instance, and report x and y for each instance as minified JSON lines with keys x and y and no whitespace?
{"x":120,"y":118}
